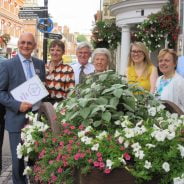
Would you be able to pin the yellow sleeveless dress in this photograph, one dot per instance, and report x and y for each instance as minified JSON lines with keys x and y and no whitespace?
{"x":142,"y":81}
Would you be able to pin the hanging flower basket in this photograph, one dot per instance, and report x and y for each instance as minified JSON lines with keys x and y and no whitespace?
{"x":4,"y":39}
{"x":159,"y":28}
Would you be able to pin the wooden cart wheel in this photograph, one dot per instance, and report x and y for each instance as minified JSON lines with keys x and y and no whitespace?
{"x":48,"y":111}
{"x":172,"y":107}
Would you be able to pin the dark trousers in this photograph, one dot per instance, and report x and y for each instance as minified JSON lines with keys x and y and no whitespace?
{"x":17,"y":164}
{"x":2,"y":123}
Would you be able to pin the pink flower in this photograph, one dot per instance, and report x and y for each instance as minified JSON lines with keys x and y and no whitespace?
{"x":60,"y":170}
{"x":98,"y":154}
{"x":90,"y":161}
{"x":76,"y":156}
{"x":51,"y":161}
{"x":126,"y":156}
{"x":107,"y":171}
{"x":54,"y":140}
{"x":62,"y":112}
{"x":41,"y":154}
{"x":53,"y":178}
{"x":81,"y":127}
{"x":102,"y":165}
{"x":61,"y":143}
{"x":65,"y":125}
{"x":66,"y":131}
{"x":58,"y":157}
{"x":72,"y":127}
{"x":96,"y":164}
{"x":70,"y":141}
{"x":100,"y":159}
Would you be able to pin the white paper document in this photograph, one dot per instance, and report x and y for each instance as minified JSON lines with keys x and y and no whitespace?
{"x":32,"y":91}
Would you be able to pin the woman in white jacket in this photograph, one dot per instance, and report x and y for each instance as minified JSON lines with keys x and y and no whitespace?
{"x":170,"y":86}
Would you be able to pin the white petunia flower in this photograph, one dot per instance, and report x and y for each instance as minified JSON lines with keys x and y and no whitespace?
{"x":136,"y":146}
{"x":147,"y":164}
{"x":20,"y":149}
{"x":95,"y":147}
{"x":121,"y":159}
{"x":150,"y":145}
{"x":139,"y":154}
{"x":166,"y":166}
{"x":117,"y":133}
{"x":120,"y":140}
{"x":102,"y":135}
{"x":27,"y":171}
{"x":26,"y":159}
{"x":152,"y":111}
{"x":86,"y":140}
{"x":109,"y":164}
{"x":118,"y":122}
{"x":81,"y":134}
{"x":126,"y":144}
{"x":181,"y":148}
{"x":129,"y":132}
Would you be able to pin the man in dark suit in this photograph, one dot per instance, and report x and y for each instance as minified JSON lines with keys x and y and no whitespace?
{"x":2,"y":123}
{"x":14,"y":72}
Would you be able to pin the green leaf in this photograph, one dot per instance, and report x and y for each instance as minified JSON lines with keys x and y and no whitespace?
{"x":85,"y":112}
{"x":107,"y":90}
{"x":86,"y":123}
{"x":114,"y":101}
{"x":72,"y":115}
{"x":118,"y":92}
{"x":102,"y":101}
{"x":128,"y":107}
{"x":130,"y":102}
{"x":103,"y":77}
{"x":97,"y":123}
{"x":106,"y":116}
{"x":98,"y":108}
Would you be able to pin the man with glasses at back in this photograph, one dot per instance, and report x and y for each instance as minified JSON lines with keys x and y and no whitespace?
{"x":82,"y":67}
{"x":14,"y":72}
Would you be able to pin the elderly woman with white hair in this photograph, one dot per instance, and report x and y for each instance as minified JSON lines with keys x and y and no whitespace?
{"x":101,"y":59}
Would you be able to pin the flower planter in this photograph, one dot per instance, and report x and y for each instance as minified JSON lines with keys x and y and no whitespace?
{"x":117,"y":176}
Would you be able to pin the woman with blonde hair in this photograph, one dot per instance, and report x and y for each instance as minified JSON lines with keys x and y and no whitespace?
{"x":140,"y":68}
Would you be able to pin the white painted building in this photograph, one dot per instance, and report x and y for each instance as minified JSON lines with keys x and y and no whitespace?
{"x":128,"y":13}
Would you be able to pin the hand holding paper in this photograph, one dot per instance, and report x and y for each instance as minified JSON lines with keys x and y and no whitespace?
{"x":31,"y":91}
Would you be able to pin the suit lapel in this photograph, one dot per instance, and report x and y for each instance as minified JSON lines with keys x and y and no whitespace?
{"x":36,"y":67}
{"x":20,"y":69}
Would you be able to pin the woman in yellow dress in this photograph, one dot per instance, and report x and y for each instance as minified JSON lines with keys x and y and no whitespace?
{"x":140,"y":68}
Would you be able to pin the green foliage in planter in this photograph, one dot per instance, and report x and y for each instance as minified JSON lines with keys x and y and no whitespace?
{"x":106,"y":34}
{"x":107,"y":124}
{"x":158,"y":27}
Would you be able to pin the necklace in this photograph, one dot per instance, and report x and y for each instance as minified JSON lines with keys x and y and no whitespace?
{"x":163,"y":83}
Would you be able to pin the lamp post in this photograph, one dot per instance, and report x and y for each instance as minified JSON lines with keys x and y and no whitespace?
{"x":45,"y":34}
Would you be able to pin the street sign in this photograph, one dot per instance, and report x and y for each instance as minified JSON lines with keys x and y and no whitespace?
{"x":45,"y":25}
{"x":32,"y":12}
{"x":54,"y":36}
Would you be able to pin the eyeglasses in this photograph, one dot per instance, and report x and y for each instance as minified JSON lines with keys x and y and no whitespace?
{"x":28,"y":43}
{"x":136,"y":52}
{"x":83,"y":53}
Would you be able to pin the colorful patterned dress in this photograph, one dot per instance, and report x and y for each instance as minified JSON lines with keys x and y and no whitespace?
{"x":59,"y":82}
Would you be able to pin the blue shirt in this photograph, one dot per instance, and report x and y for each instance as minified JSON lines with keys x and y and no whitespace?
{"x":180,"y":66}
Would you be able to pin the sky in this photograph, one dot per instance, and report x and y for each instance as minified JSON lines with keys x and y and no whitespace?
{"x":78,"y":15}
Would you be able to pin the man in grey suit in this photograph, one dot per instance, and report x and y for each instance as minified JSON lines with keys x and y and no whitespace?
{"x":14,"y":72}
